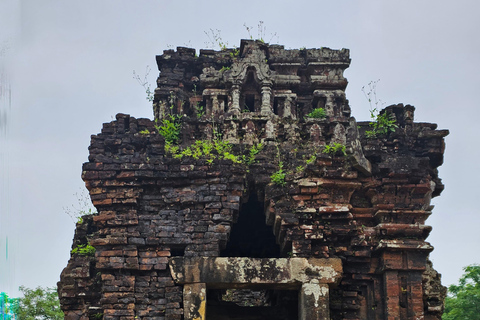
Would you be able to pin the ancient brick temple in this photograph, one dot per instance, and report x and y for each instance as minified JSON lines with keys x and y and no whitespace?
{"x":295,"y":218}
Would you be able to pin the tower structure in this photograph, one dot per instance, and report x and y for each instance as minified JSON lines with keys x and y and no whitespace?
{"x":236,"y":202}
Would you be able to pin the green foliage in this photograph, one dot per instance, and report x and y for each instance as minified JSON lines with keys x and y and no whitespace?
{"x":169,"y":128}
{"x":199,"y":110}
{"x":235,"y":53}
{"x":39,"y":304}
{"x":84,"y":250}
{"x":211,"y":150}
{"x":98,"y":316}
{"x":318,"y":113}
{"x":278,"y":177}
{"x":224,"y":68}
{"x":144,"y":131}
{"x":254,"y":150}
{"x":463,"y":300}
{"x":382,"y":123}
{"x":311,"y":159}
{"x":335,"y":148}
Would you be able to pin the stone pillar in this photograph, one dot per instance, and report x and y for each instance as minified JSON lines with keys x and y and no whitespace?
{"x":235,"y":108}
{"x":313,"y":302}
{"x":195,"y":301}
{"x":215,"y":105}
{"x":287,"y":107}
{"x":266,"y":100}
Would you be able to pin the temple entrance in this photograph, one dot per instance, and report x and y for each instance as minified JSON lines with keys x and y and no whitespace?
{"x":286,"y":282}
{"x":250,"y":236}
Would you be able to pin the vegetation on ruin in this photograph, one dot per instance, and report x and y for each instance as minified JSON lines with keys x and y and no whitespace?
{"x":211,"y":150}
{"x":463,"y":300}
{"x":39,"y":304}
{"x":278,"y":177}
{"x":318,"y":113}
{"x":311,"y":160}
{"x":224,"y":68}
{"x":169,"y":127}
{"x":261,"y":32}
{"x":335,"y":149}
{"x":85,"y":250}
{"x":381,"y":123}
{"x":199,"y":109}
{"x":83,"y":208}
{"x":144,"y":83}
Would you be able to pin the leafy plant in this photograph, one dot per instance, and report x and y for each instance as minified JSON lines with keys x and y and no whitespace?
{"x":224,"y":68}
{"x":463,"y":300}
{"x":98,"y":316}
{"x":318,"y":113}
{"x":235,"y":53}
{"x":84,"y":250}
{"x":335,"y":148}
{"x":169,"y":128}
{"x":278,"y":177}
{"x":254,"y":150}
{"x":40,"y":303}
{"x":199,"y":109}
{"x":382,"y":123}
{"x":145,"y":131}
{"x":311,"y":159}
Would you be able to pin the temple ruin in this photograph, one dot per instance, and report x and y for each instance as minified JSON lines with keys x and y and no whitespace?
{"x":255,"y":209}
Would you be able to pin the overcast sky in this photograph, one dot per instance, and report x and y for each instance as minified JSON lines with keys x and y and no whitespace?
{"x":69,"y":65}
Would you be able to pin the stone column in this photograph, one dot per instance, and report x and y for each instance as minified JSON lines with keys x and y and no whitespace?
{"x":215,"y":106}
{"x":195,"y":301}
{"x":287,"y":107}
{"x":313,"y":302}
{"x":266,"y":100}
{"x":235,"y":107}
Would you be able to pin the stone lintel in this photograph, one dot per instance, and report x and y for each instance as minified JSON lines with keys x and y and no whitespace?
{"x":282,"y":273}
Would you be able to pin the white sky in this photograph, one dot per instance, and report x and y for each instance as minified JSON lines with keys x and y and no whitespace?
{"x":70,"y":67}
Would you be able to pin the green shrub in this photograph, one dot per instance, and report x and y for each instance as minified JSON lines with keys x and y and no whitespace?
{"x":318,"y":113}
{"x":335,"y":148}
{"x":278,"y":177}
{"x":84,"y":250}
{"x":169,"y":128}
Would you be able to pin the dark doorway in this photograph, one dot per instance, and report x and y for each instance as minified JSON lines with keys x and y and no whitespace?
{"x":250,"y":236}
